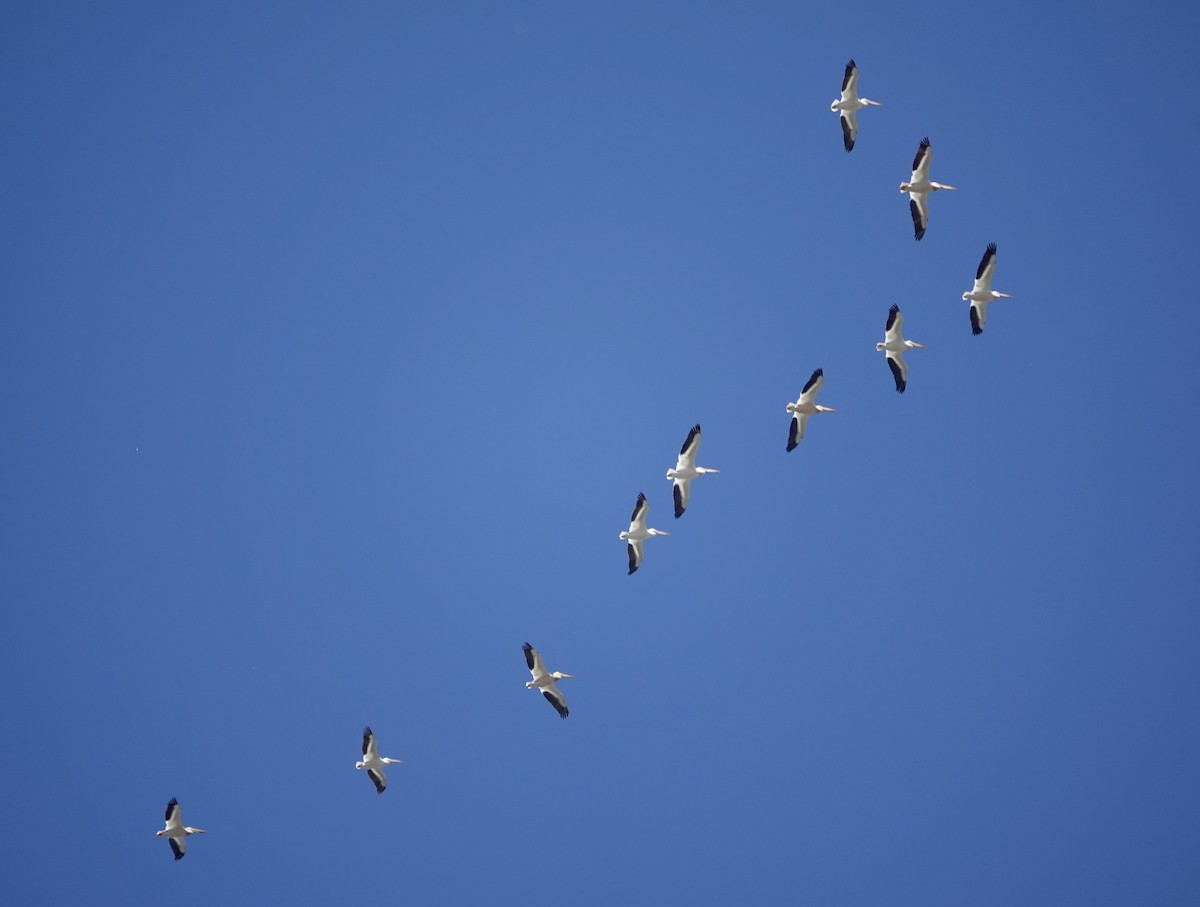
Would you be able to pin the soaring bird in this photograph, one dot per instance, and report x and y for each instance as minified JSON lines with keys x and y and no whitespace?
{"x":849,"y":104}
{"x":894,"y":345}
{"x":175,"y":831}
{"x":919,"y":186}
{"x":685,"y":470}
{"x":637,"y":533}
{"x":982,"y":293}
{"x":372,"y":763}
{"x":804,"y":407}
{"x":544,"y":681}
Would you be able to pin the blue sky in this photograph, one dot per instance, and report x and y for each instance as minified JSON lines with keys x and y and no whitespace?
{"x":338,"y":340}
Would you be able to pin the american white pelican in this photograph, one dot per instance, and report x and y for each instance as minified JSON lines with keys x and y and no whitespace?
{"x":894,"y":345}
{"x":919,"y":186}
{"x":849,"y":104}
{"x":685,"y":470}
{"x":175,"y":831}
{"x":804,"y":407}
{"x":637,"y":533}
{"x":982,"y":293}
{"x":372,"y":763}
{"x":545,"y":681}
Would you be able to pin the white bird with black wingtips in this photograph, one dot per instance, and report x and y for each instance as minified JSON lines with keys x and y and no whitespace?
{"x":894,"y":345}
{"x":545,"y":681}
{"x":638,"y":533}
{"x":919,"y":186}
{"x":804,"y":407}
{"x":372,"y":763}
{"x":175,"y":831}
{"x":848,"y":105}
{"x":982,"y":293}
{"x":685,"y":470}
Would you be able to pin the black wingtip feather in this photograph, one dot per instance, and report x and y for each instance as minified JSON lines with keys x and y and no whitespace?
{"x":976,"y":327}
{"x":692,"y":432}
{"x":915,"y":210}
{"x":562,"y":710}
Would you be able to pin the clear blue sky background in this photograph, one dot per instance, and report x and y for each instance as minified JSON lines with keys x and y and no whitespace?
{"x":338,"y":339}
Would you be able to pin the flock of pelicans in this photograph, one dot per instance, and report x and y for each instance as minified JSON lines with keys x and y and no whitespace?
{"x":918,"y":187}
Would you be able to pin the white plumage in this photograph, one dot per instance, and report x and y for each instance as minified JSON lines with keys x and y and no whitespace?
{"x":982,"y":293}
{"x":175,"y":831}
{"x":372,"y":763}
{"x":894,"y":345}
{"x":848,"y":105}
{"x":685,"y":470}
{"x":805,"y":407}
{"x":638,"y":533}
{"x":919,"y":186}
{"x":545,"y":681}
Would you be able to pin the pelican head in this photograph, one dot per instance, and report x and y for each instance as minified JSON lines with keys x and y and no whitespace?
{"x":912,"y":343}
{"x":936,"y":186}
{"x":657,"y":532}
{"x":559,"y":675}
{"x":825,"y":409}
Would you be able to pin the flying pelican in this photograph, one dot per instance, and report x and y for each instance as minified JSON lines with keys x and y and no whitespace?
{"x":685,"y":470}
{"x":919,"y":186}
{"x":895,"y":345}
{"x":804,"y":407}
{"x":982,"y":293}
{"x":372,"y":763}
{"x":849,"y":104}
{"x":544,"y":681}
{"x":175,"y":831}
{"x":637,"y":533}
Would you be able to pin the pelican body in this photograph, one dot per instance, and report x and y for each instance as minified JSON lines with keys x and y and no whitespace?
{"x":545,"y":681}
{"x":638,"y":533}
{"x":175,"y":831}
{"x":982,"y":293}
{"x":685,"y":470}
{"x":894,"y":345}
{"x":373,"y":763}
{"x":848,"y":105}
{"x":804,"y":407}
{"x":919,"y":186}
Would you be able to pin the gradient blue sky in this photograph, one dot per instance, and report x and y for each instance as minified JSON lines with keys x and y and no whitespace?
{"x":338,"y":339}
